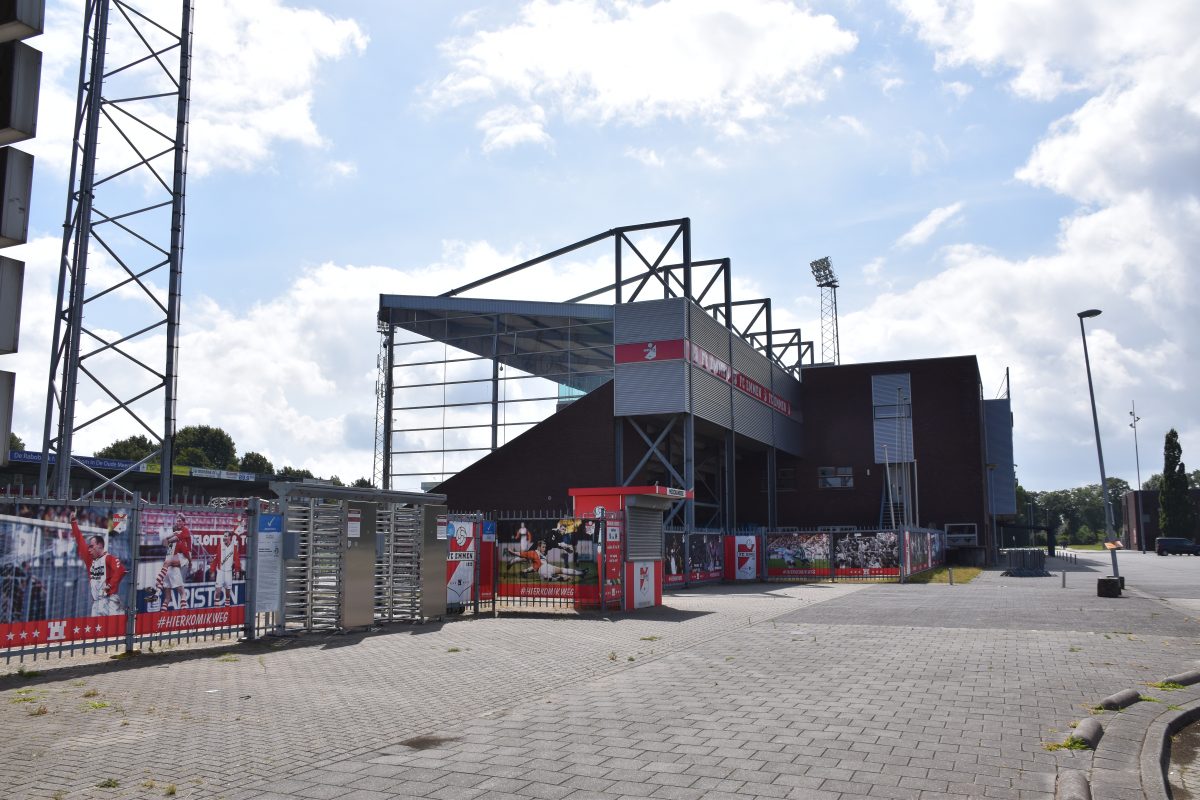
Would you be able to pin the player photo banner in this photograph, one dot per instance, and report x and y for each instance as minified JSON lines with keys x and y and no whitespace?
{"x":548,"y":558}
{"x":797,"y":556}
{"x":63,"y":573}
{"x":706,"y":557}
{"x":867,"y":554}
{"x":916,"y":545}
{"x":191,"y":570}
{"x":674,"y":569}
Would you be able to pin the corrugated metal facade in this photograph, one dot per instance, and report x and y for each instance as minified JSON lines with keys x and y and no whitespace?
{"x":658,"y":387}
{"x":711,"y":396}
{"x":997,"y":425}
{"x":650,"y":321}
{"x":891,"y":401}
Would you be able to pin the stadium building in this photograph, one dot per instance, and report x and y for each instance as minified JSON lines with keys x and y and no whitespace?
{"x":662,"y":378}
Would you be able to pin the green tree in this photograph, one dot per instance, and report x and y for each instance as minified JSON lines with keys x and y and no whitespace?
{"x":256,"y":463}
{"x":216,"y":444}
{"x":14,"y":442}
{"x":1176,"y":517}
{"x":363,"y":483}
{"x":133,"y":448}
{"x":293,"y":474}
{"x":1194,"y":479}
{"x":1153,"y":483}
{"x":193,"y":457}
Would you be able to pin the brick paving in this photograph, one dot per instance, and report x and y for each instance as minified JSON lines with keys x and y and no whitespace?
{"x":824,"y":691}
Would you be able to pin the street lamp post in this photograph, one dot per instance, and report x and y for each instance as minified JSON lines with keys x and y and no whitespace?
{"x":1138,"y":461}
{"x":1110,"y":535}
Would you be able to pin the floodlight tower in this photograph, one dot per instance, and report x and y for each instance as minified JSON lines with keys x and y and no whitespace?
{"x":116,"y":328}
{"x":822,"y":270}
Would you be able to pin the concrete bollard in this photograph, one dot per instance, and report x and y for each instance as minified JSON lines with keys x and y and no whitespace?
{"x":1072,"y":785}
{"x":1184,"y":678}
{"x":1089,"y":730}
{"x":950,"y":572}
{"x":1064,"y":579}
{"x":1115,"y":702}
{"x":1108,"y":587}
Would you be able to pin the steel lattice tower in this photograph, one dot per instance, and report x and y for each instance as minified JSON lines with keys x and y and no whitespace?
{"x":822,"y":270}
{"x":115,"y":346}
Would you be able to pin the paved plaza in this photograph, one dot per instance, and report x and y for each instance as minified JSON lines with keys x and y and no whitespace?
{"x":759,"y":690}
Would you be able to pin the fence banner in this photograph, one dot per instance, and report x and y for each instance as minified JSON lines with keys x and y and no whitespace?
{"x":548,"y":558}
{"x":917,"y":551}
{"x":799,"y":556}
{"x":741,"y":558}
{"x":460,"y":562}
{"x":867,"y":554}
{"x":191,"y":570}
{"x":706,"y":557}
{"x":673,"y":565}
{"x":62,"y":573}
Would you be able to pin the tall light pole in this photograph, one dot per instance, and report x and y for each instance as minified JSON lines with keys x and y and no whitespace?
{"x":1110,"y":535}
{"x":1137,"y":503}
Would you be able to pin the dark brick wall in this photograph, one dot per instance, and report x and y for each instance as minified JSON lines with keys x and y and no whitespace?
{"x":839,"y":432}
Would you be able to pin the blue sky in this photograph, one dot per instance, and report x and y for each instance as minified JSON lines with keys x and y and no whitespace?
{"x":976,"y":171}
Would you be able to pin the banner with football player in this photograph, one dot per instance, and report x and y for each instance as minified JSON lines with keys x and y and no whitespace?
{"x":706,"y":557}
{"x":191,"y":570}
{"x":867,"y":554}
{"x":62,"y":573}
{"x":548,"y":558}
{"x":797,"y":556}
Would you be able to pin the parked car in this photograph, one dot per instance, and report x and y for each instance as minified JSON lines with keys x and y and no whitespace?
{"x":1168,"y":546}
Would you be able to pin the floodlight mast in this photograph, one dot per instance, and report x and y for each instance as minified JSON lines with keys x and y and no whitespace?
{"x":822,"y":271}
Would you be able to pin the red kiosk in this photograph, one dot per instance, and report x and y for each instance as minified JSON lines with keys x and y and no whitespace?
{"x":633,"y":547}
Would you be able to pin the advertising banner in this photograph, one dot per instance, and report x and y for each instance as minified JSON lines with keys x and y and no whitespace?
{"x":487,"y":560}
{"x":706,"y":557}
{"x":867,"y":554}
{"x":460,"y":562}
{"x":746,"y":555}
{"x":191,"y":570}
{"x":548,"y":558}
{"x":610,"y":529}
{"x":269,"y":570}
{"x":63,"y":573}
{"x":643,"y":584}
{"x":673,"y":566}
{"x":917,"y":551}
{"x":798,"y":556}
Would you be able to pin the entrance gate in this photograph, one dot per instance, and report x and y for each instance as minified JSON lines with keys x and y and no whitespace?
{"x":355,"y":557}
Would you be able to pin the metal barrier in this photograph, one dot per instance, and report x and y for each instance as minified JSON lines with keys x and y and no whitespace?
{"x":551,"y":561}
{"x":1024,"y":562}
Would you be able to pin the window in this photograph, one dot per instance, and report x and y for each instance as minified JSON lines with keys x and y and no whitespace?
{"x":835,"y":477}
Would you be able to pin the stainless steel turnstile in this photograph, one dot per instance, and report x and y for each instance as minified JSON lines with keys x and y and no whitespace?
{"x":355,"y":557}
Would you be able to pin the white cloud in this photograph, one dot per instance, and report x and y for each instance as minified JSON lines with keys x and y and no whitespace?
{"x":957,"y":88}
{"x":646,"y":156}
{"x":708,"y":159}
{"x":853,"y":124}
{"x":1053,"y":47}
{"x":253,"y":71}
{"x":510,"y":126}
{"x":873,"y":270}
{"x":731,"y":66}
{"x":343,"y":169}
{"x":924,"y":230}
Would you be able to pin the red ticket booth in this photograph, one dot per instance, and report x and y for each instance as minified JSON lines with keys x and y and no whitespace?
{"x":633,"y":547}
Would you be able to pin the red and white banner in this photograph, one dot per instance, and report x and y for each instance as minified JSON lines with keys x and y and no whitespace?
{"x":684,"y":350}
